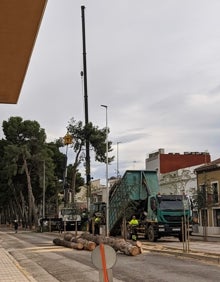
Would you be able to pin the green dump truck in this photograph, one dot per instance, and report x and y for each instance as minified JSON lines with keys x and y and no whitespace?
{"x":137,"y":193}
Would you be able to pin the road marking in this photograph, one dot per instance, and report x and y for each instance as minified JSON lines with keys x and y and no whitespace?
{"x":53,"y":250}
{"x":47,"y":249}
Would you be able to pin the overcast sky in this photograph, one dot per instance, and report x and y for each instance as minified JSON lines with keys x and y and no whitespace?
{"x":154,"y":63}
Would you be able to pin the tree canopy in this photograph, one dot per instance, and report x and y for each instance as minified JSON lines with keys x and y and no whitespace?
{"x":28,"y":162}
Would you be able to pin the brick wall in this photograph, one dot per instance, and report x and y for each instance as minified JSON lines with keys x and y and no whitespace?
{"x":172,"y":162}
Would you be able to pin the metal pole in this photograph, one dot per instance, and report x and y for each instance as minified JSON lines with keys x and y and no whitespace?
{"x":118,"y":160}
{"x":44,"y":189}
{"x":88,"y":178}
{"x":65,"y":184}
{"x":84,"y":64}
{"x":107,"y":188}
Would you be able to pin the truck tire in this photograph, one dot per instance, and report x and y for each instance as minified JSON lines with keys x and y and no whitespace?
{"x":151,"y":235}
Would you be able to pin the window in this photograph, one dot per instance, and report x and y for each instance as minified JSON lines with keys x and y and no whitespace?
{"x":215,"y":192}
{"x":216,"y":215}
{"x":99,"y":198}
{"x":202,"y":197}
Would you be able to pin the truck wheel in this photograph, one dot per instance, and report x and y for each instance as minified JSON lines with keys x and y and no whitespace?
{"x":151,"y":234}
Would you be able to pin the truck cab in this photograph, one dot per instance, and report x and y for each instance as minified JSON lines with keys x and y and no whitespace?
{"x":168,"y":215}
{"x":71,"y":219}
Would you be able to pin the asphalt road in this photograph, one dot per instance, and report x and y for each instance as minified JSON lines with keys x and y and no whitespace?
{"x":36,"y":253}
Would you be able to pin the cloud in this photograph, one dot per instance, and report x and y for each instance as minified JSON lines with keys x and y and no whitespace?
{"x":154,"y":63}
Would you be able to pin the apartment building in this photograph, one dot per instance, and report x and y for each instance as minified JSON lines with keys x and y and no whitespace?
{"x":167,"y":162}
{"x":208,"y":181}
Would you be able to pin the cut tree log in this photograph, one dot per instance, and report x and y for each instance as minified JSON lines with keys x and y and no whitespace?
{"x":87,"y":245}
{"x":138,"y":244}
{"x":89,"y":241}
{"x":117,"y":244}
{"x":72,"y":245}
{"x":67,"y":236}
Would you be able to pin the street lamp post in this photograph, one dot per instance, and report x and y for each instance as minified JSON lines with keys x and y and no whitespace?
{"x":107,"y":188}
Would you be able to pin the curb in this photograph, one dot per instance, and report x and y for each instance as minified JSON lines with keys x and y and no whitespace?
{"x":209,"y":257}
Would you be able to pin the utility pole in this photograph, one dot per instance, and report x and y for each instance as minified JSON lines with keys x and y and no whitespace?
{"x":88,"y":178}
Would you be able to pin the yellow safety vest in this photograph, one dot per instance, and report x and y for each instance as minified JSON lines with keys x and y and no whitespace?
{"x":134,"y":222}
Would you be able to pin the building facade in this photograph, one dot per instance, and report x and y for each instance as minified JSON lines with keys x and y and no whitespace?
{"x":98,"y":191}
{"x":179,"y":181}
{"x":165,"y":163}
{"x":208,"y":180}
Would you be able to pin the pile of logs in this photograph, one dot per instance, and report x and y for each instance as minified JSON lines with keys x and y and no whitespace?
{"x":70,"y":241}
{"x":89,"y":241}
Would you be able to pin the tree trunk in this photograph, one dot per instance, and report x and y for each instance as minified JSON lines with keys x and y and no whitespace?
{"x":24,"y":211}
{"x":18,"y":208}
{"x":72,"y":245}
{"x":30,"y":208}
{"x":31,"y":200}
{"x":127,"y":247}
{"x":73,"y":184}
{"x":117,"y":244}
{"x":67,"y":236}
{"x":87,"y":245}
{"x":137,"y":244}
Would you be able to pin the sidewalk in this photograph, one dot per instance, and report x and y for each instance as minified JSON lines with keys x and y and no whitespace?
{"x":202,"y":250}
{"x":10,"y":269}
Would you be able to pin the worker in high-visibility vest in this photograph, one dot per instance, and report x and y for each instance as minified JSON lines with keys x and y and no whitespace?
{"x":133,"y":223}
{"x":97,"y":224}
